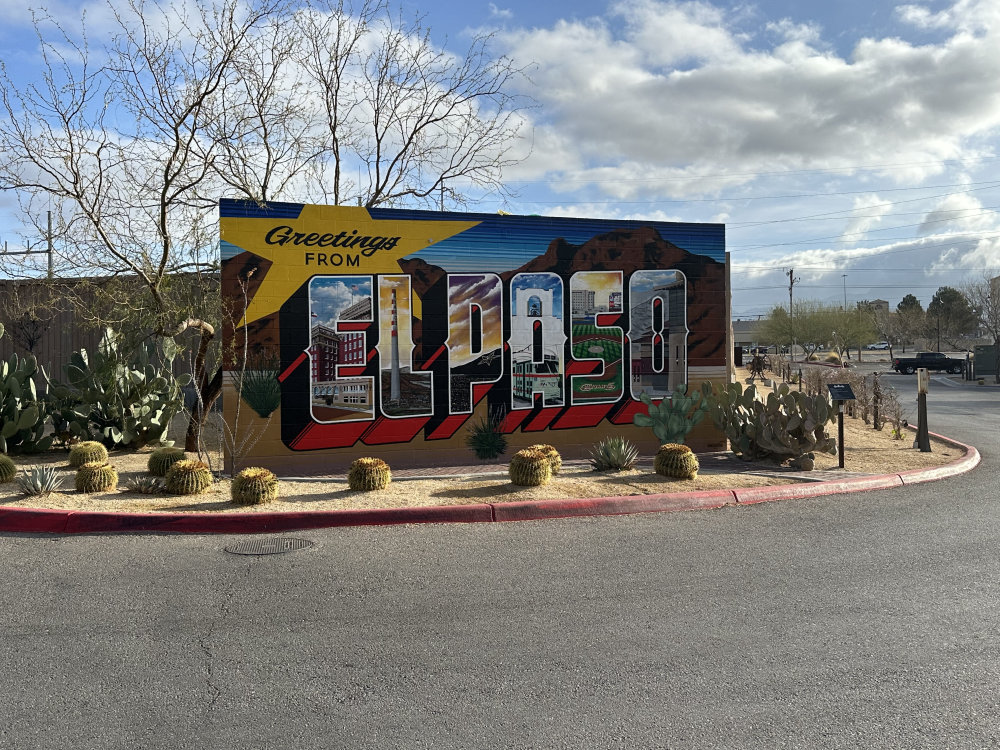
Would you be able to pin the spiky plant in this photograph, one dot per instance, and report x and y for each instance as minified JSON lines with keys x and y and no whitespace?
{"x":188,"y":477}
{"x":258,"y":384}
{"x":555,"y":460}
{"x":254,"y":486}
{"x":8,"y":469}
{"x":87,"y":452}
{"x":613,"y":454}
{"x":369,"y":474}
{"x":96,"y":476}
{"x":485,"y":438}
{"x":530,"y":468}
{"x":163,"y":458}
{"x":676,"y":461}
{"x":145,"y":485}
{"x":40,"y":480}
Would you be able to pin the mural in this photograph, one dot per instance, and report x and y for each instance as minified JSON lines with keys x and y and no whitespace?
{"x":395,"y":328}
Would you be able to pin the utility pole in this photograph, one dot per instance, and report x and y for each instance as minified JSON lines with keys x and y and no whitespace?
{"x":791,"y":286}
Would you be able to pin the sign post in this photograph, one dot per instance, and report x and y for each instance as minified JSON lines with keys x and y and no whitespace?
{"x":923,"y":441}
{"x":840,"y":392}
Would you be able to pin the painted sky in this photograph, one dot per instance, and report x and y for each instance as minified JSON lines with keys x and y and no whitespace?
{"x":854,"y":142}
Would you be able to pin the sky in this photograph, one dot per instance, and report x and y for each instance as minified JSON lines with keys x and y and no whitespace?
{"x":853,"y":142}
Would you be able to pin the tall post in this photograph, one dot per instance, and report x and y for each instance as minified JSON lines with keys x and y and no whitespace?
{"x":49,"y":237}
{"x":923,"y":441}
{"x":394,"y":374}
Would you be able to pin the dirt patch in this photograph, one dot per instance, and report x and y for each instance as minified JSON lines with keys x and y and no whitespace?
{"x":867,"y":451}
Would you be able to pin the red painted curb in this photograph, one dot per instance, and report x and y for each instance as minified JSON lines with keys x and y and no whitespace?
{"x":46,"y":521}
{"x":536,"y":510}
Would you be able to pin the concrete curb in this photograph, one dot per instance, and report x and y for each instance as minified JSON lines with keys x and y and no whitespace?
{"x":42,"y":521}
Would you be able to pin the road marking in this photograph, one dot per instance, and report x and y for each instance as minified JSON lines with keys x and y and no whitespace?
{"x":945,"y":381}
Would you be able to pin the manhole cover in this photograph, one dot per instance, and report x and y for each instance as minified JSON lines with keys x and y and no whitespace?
{"x":269,"y":546}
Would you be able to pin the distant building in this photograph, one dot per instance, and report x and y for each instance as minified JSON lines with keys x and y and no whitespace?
{"x":360,"y":310}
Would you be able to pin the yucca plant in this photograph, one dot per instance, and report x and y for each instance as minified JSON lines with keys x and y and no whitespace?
{"x":485,"y":439}
{"x":40,"y":480}
{"x":613,"y":454}
{"x":258,"y":384}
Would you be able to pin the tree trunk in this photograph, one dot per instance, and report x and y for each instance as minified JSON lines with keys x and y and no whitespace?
{"x":202,"y":408}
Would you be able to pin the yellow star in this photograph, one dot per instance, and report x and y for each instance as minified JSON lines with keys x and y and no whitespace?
{"x":329,"y":241}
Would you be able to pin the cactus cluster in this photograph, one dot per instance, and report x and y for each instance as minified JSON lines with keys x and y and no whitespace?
{"x":368,"y":474}
{"x":188,"y":477}
{"x":254,"y":486}
{"x":555,"y":460}
{"x":613,"y":454}
{"x":674,"y":416}
{"x":530,"y":468}
{"x":787,"y":425}
{"x":7,"y":468}
{"x":163,"y":458}
{"x":22,"y":415}
{"x":96,"y":476}
{"x":87,"y":452}
{"x":676,"y":461}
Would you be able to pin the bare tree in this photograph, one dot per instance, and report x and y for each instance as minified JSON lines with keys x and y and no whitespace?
{"x":984,"y":296}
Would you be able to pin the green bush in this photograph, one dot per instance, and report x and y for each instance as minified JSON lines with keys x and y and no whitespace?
{"x":485,"y":439}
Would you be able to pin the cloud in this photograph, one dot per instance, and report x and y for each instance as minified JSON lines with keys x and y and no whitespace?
{"x":497,"y":12}
{"x":868,"y":212}
{"x":674,"y":92}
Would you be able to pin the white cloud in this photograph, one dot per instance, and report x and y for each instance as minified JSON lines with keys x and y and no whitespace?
{"x":678,"y":89}
{"x":497,"y":12}
{"x":868,"y":213}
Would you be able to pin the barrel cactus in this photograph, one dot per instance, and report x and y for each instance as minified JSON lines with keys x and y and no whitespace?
{"x":87,"y":452}
{"x":96,"y":476}
{"x":163,"y":458}
{"x":555,"y":460}
{"x":530,"y":468}
{"x":7,"y":468}
{"x":676,"y":461}
{"x":254,"y":486}
{"x":368,"y":474}
{"x":188,"y":477}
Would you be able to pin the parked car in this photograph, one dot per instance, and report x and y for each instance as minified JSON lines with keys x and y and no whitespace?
{"x":930,"y":360}
{"x":879,"y":346}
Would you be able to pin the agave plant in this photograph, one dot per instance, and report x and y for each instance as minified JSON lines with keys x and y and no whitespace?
{"x":485,"y":438}
{"x":40,"y":480}
{"x":613,"y":454}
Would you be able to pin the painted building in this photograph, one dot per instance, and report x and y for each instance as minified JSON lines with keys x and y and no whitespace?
{"x":399,"y":331}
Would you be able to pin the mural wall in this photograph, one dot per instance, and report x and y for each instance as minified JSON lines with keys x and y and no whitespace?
{"x":391,"y":332}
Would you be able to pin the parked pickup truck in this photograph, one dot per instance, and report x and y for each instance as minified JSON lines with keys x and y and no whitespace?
{"x":930,"y":360}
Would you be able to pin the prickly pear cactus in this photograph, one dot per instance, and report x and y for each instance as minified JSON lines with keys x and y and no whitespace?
{"x":368,"y":474}
{"x":96,"y":477}
{"x":529,"y":468}
{"x":254,"y":486}
{"x":188,"y":477}
{"x":87,"y":452}
{"x":22,"y":414}
{"x":784,"y":426}
{"x":555,"y":460}
{"x":676,"y":461}
{"x":674,"y":416}
{"x":163,"y":458}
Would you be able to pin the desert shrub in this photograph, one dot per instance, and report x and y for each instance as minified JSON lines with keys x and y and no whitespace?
{"x":485,"y":439}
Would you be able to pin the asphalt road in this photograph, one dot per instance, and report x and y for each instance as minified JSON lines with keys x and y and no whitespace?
{"x":855,"y":621}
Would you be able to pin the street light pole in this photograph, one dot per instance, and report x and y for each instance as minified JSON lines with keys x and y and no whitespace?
{"x":844,"y":277}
